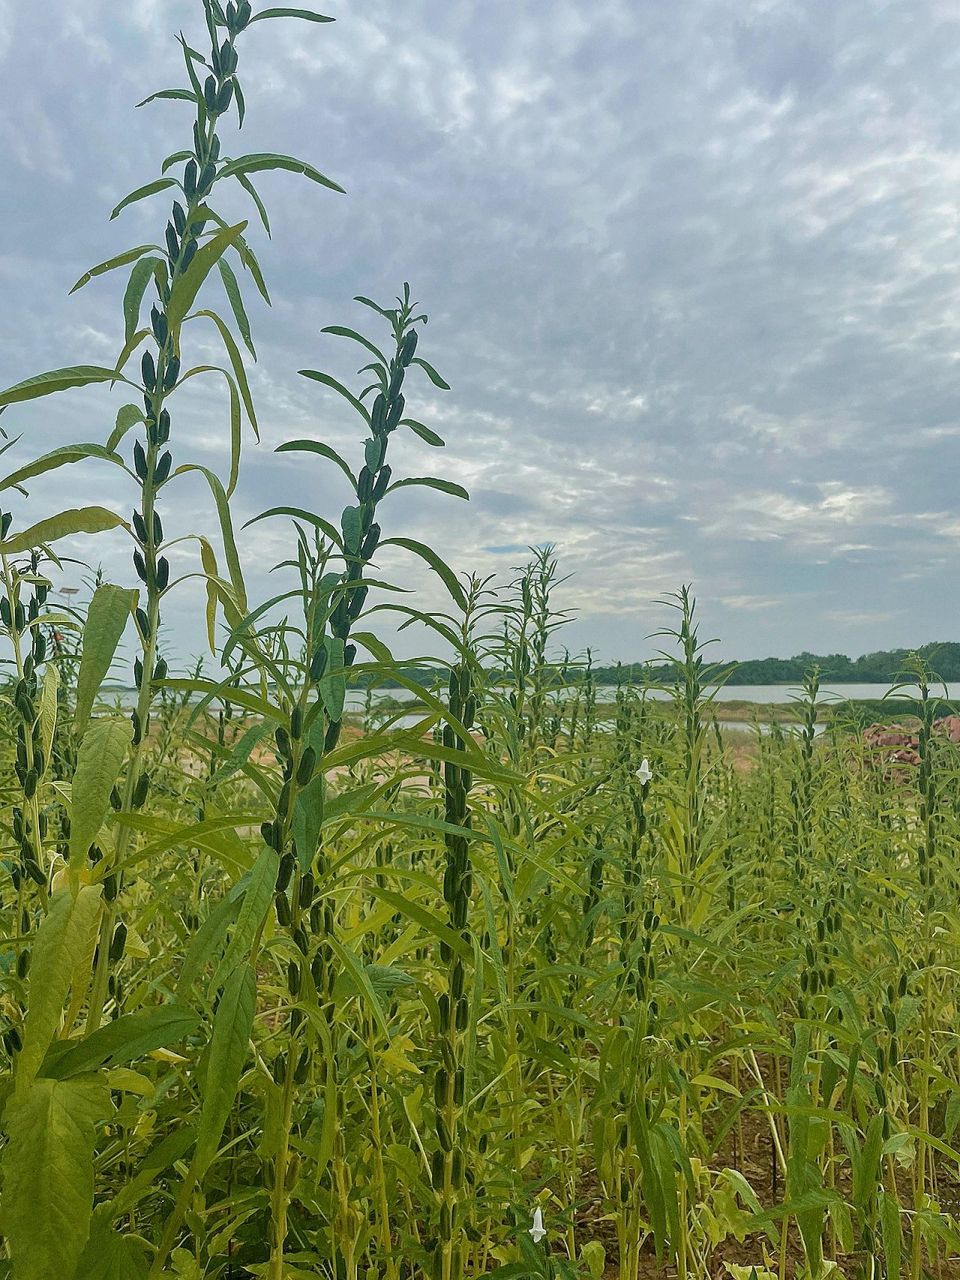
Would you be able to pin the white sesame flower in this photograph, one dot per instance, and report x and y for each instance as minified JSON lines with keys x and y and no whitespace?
{"x":537,"y":1231}
{"x":644,"y":773}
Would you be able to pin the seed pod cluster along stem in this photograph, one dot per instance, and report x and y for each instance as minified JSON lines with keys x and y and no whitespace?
{"x":313,"y":731}
{"x":447,"y":1168}
{"x":153,"y":460}
{"x":21,"y":606}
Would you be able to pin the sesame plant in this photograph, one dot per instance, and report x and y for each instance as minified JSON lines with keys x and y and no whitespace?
{"x":316,"y":962}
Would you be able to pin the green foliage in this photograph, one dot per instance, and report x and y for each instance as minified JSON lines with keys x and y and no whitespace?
{"x":484,"y":983}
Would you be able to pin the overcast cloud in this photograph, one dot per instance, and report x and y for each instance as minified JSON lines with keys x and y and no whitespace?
{"x":692,"y":271}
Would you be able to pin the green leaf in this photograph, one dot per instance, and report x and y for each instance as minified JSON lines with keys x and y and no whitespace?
{"x":124,"y":1039}
{"x":111,"y":1256}
{"x":120,"y":260}
{"x":226,"y":532}
{"x":62,"y":457}
{"x":64,"y":525}
{"x":431,"y":482}
{"x":107,"y":617}
{"x":324,"y":450}
{"x":61,"y":952}
{"x":128,"y":415}
{"x":892,"y":1232}
{"x":232,"y":1026}
{"x":179,"y":95}
{"x":431,"y":373}
{"x":308,"y":807}
{"x":48,"y":1173}
{"x":133,"y":296}
{"x":306,"y":14}
{"x":46,"y":384}
{"x":327,"y":381}
{"x":48,"y":710}
{"x":343,"y":332}
{"x":352,"y":530}
{"x":187,"y":286}
{"x":424,"y":432}
{"x":99,"y":760}
{"x":253,"y":910}
{"x":333,"y":685}
{"x":439,"y":567}
{"x":358,"y":973}
{"x":236,"y":360}
{"x":206,"y":940}
{"x":254,"y":195}
{"x":236,"y":302}
{"x":141,"y":193}
{"x":268,"y":160}
{"x":134,"y":341}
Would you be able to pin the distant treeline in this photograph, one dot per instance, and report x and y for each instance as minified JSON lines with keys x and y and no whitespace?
{"x":883,"y":667}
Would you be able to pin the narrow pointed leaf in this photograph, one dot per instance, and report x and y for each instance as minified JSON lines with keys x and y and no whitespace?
{"x":141,"y":193}
{"x":268,"y":160}
{"x":111,"y":264}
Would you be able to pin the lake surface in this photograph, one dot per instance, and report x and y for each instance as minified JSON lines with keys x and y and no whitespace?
{"x":762,"y":694}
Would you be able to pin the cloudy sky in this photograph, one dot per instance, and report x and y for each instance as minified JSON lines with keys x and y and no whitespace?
{"x":692,"y":272}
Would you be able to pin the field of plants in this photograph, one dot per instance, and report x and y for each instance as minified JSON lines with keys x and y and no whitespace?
{"x":515,"y":983}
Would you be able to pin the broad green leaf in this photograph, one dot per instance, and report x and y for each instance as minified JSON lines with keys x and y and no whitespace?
{"x":47,"y":384}
{"x":124,"y":1039}
{"x":253,"y":911}
{"x":112,"y":1256}
{"x":61,"y":949}
{"x":187,"y":286}
{"x":268,"y":160}
{"x":48,"y":1173}
{"x":141,"y":193}
{"x":232,"y":1025}
{"x":62,"y":457}
{"x":99,"y":761}
{"x":120,"y":260}
{"x":64,"y":525}
{"x":107,"y":617}
{"x":431,"y":482}
{"x":140,"y":277}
